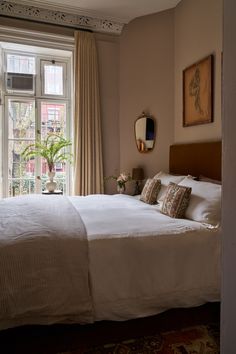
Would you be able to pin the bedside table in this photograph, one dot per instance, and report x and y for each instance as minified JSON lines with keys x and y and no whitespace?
{"x":57,"y":191}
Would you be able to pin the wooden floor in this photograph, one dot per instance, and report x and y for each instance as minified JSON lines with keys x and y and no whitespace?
{"x":59,"y":338}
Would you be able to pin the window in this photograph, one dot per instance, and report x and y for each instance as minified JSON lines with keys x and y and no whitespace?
{"x":53,"y":120}
{"x":30,"y":115}
{"x":54,"y":77}
{"x":21,"y":132}
{"x":22,"y":64}
{"x":19,"y":76}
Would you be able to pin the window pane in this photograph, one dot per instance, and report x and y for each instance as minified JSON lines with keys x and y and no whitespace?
{"x":28,"y":186}
{"x":21,"y":186}
{"x":14,"y":188}
{"x":60,"y":178}
{"x":53,"y":118}
{"x":21,"y":121}
{"x":20,"y":64}
{"x":18,"y":167}
{"x":53,"y":80}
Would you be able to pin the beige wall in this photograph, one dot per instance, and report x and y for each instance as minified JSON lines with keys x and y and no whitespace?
{"x":147,"y":84}
{"x":198,"y":33}
{"x":228,"y":308}
{"x":154,"y":50}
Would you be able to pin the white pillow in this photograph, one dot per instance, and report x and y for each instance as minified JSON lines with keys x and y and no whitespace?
{"x":205,"y":201}
{"x":166,"y":178}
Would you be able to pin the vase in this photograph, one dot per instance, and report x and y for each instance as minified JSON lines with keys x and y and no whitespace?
{"x":50,"y":184}
{"x":120,"y":189}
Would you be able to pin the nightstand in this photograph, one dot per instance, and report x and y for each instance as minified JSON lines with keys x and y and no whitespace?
{"x":57,"y":191}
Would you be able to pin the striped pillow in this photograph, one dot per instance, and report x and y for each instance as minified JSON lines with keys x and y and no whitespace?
{"x":176,"y":200}
{"x":150,"y":191}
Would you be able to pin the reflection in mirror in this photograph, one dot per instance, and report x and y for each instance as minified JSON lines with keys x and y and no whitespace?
{"x":145,"y":133}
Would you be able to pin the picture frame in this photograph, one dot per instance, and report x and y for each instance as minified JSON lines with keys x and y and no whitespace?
{"x":198,"y":92}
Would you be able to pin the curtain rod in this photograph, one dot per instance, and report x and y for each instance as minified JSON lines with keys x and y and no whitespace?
{"x":48,"y":23}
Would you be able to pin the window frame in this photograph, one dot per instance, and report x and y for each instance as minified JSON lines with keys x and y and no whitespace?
{"x":58,"y":62}
{"x":38,"y":98}
{"x":30,"y":55}
{"x":6,"y":140}
{"x":68,"y":130}
{"x":17,"y":92}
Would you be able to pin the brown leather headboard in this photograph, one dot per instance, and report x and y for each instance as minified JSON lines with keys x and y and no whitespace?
{"x":196,"y":159}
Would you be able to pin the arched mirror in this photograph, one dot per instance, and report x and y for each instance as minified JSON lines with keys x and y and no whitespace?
{"x":145,"y":133}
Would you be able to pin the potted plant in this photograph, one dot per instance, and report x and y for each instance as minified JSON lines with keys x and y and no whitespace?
{"x":53,"y":150}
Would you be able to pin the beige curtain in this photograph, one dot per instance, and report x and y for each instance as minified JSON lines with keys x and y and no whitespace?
{"x":88,"y":168}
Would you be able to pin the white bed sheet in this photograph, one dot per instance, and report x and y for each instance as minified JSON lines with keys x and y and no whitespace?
{"x":142,"y":262}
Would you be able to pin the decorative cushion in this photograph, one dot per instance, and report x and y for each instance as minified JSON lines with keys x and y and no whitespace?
{"x":166,"y":178}
{"x":176,"y":200}
{"x":205,"y":201}
{"x":150,"y":191}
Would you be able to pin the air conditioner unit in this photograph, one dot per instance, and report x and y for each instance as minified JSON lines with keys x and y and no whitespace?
{"x":20,"y":82}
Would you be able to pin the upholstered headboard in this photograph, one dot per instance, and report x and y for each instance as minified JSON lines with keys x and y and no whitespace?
{"x":196,"y":159}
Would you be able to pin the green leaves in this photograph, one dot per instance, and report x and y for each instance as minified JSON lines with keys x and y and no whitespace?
{"x":50,"y":149}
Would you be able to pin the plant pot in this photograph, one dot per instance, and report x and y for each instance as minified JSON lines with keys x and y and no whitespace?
{"x":50,"y":184}
{"x":120,"y":189}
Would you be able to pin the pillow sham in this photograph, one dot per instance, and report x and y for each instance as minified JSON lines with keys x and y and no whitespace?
{"x":166,"y":178}
{"x":176,"y":200}
{"x":207,"y":179}
{"x":150,"y":191}
{"x":205,"y":201}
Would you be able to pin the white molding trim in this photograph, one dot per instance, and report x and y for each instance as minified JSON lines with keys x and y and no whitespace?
{"x":29,"y":12}
{"x":21,"y":36}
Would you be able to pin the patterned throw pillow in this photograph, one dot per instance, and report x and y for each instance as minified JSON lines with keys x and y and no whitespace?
{"x":150,"y":191}
{"x":176,"y":200}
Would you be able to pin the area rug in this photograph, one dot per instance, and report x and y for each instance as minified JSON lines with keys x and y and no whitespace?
{"x":192,"y":340}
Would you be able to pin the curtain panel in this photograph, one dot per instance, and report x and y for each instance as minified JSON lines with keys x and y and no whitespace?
{"x":88,"y":163}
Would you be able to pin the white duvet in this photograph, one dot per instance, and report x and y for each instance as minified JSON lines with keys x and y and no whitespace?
{"x":43,"y":262}
{"x":82,"y":259}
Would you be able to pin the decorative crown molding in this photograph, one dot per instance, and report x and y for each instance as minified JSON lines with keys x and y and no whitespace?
{"x":57,"y":6}
{"x":11,"y":9}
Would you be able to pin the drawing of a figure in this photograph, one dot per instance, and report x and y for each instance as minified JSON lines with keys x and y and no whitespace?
{"x":194,"y":90}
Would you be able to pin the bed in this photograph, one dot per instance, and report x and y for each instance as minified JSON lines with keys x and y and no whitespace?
{"x":102,"y":257}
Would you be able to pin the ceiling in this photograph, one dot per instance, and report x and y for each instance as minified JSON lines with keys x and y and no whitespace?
{"x":117,"y":10}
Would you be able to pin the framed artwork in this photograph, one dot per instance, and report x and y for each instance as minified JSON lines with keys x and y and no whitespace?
{"x":198,"y":93}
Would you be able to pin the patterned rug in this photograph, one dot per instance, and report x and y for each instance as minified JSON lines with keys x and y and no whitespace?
{"x":192,"y":340}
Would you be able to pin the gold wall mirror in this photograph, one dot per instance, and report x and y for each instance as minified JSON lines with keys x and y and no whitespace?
{"x":144,"y":128}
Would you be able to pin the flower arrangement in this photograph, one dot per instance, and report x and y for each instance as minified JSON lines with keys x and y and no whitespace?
{"x":121,"y":181}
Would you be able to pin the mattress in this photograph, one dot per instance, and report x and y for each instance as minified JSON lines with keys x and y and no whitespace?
{"x":100,"y":257}
{"x":142,"y":262}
